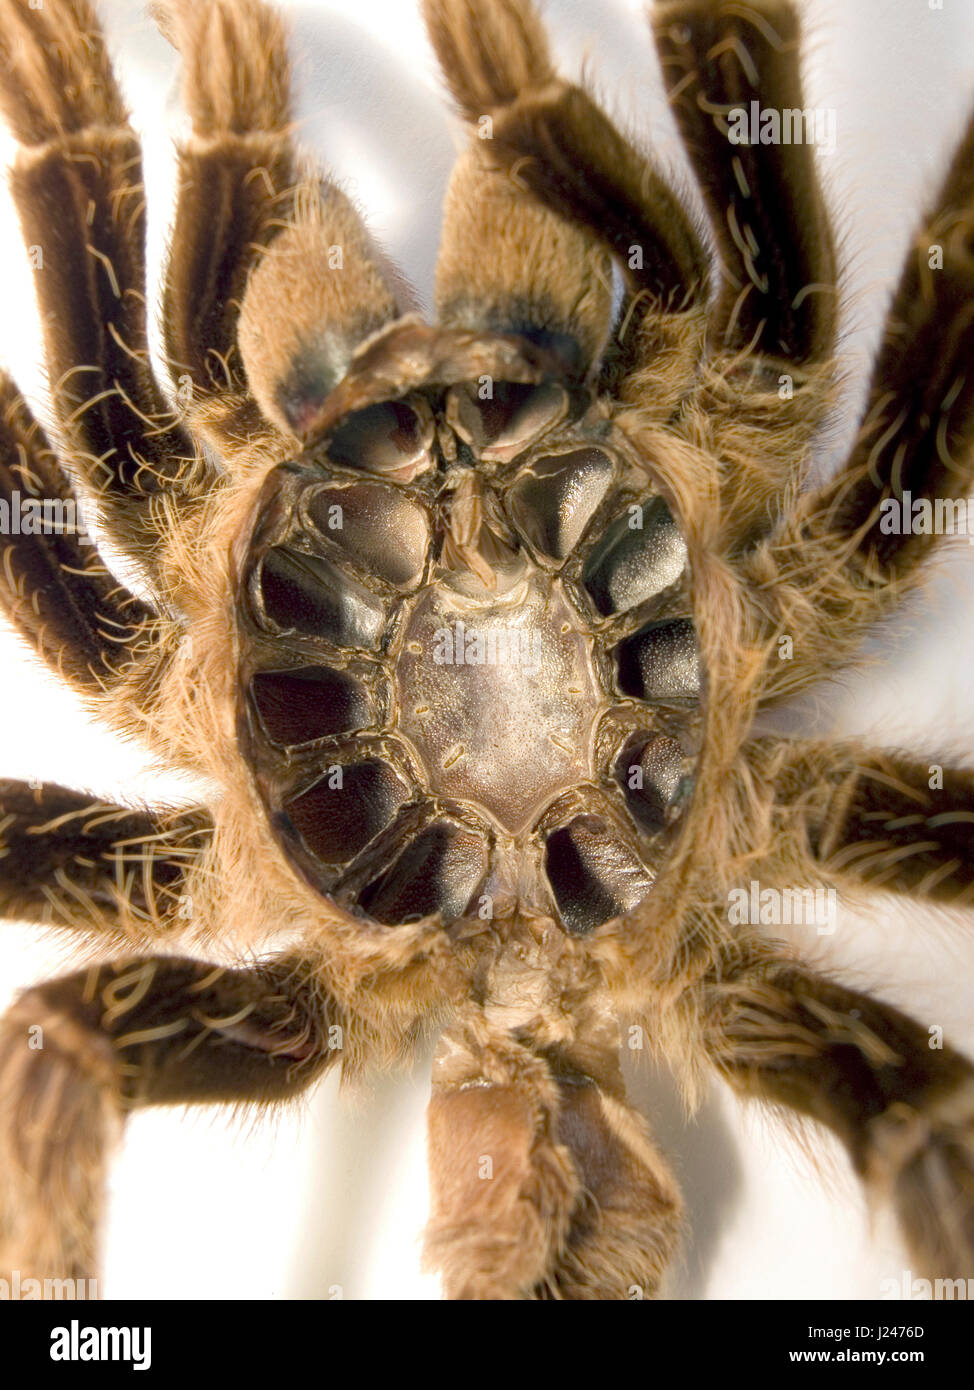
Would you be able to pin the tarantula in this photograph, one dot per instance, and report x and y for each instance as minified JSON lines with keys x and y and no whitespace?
{"x":468,"y":627}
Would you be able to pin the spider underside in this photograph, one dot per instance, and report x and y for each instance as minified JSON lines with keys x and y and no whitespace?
{"x":469,"y":625}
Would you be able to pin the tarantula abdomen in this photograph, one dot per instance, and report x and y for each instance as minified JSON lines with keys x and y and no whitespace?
{"x":469,"y":676}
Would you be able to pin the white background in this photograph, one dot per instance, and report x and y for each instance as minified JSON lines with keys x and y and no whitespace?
{"x":335,"y":1194}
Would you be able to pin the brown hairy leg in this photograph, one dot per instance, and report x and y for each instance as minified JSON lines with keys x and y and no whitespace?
{"x":837,"y":564}
{"x":545,"y":1183}
{"x":272,"y":278}
{"x":776,"y":294}
{"x":872,"y":817}
{"x":559,"y":145}
{"x":77,"y":184}
{"x":768,"y":374}
{"x":508,"y":265}
{"x":80,"y":1052}
{"x":902,"y":1106}
{"x":70,"y":860}
{"x":54,"y":585}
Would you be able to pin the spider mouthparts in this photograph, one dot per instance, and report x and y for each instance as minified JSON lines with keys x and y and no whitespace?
{"x":478,"y":552}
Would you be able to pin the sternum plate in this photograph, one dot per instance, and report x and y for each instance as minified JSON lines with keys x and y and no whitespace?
{"x":499,"y":698}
